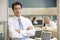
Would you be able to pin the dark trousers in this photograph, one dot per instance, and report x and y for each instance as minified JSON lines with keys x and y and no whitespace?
{"x":14,"y":38}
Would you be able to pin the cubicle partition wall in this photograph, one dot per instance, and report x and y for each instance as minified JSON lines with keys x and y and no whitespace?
{"x":3,"y":19}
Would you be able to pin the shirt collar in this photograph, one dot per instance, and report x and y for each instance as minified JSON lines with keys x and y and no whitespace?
{"x":19,"y":17}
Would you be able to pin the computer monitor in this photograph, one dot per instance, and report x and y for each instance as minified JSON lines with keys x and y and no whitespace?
{"x":38,"y":34}
{"x":40,"y":22}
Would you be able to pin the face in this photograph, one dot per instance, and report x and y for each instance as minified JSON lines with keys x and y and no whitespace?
{"x":17,"y":10}
{"x":36,"y":19}
{"x":46,"y":21}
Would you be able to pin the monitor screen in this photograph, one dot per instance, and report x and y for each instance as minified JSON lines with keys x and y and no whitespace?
{"x":40,"y":22}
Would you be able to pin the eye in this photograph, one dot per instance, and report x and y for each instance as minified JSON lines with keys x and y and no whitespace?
{"x":15,"y":8}
{"x":19,"y":8}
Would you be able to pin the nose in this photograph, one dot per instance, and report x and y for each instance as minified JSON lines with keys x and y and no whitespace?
{"x":17,"y":10}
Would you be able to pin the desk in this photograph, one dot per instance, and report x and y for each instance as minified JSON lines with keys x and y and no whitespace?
{"x":40,"y":39}
{"x":54,"y":33}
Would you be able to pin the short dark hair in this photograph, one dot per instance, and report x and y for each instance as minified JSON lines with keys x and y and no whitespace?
{"x":16,"y":3}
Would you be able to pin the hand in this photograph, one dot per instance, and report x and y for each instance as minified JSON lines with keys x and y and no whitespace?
{"x":29,"y":28}
{"x":17,"y":31}
{"x":44,"y":28}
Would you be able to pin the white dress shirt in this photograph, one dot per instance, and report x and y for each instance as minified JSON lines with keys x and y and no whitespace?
{"x":13,"y":25}
{"x":52,"y":25}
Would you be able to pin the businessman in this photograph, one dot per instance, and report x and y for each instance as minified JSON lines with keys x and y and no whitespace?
{"x":20,"y":28}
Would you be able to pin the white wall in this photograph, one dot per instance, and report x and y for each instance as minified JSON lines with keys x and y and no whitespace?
{"x":3,"y":13}
{"x":3,"y":10}
{"x":36,"y":11}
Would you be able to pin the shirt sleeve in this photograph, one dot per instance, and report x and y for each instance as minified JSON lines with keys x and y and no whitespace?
{"x":28,"y":32}
{"x":12,"y":30}
{"x":54,"y":25}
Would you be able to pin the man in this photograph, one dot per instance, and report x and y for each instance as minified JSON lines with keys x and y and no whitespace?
{"x":20,"y":28}
{"x":50,"y":25}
